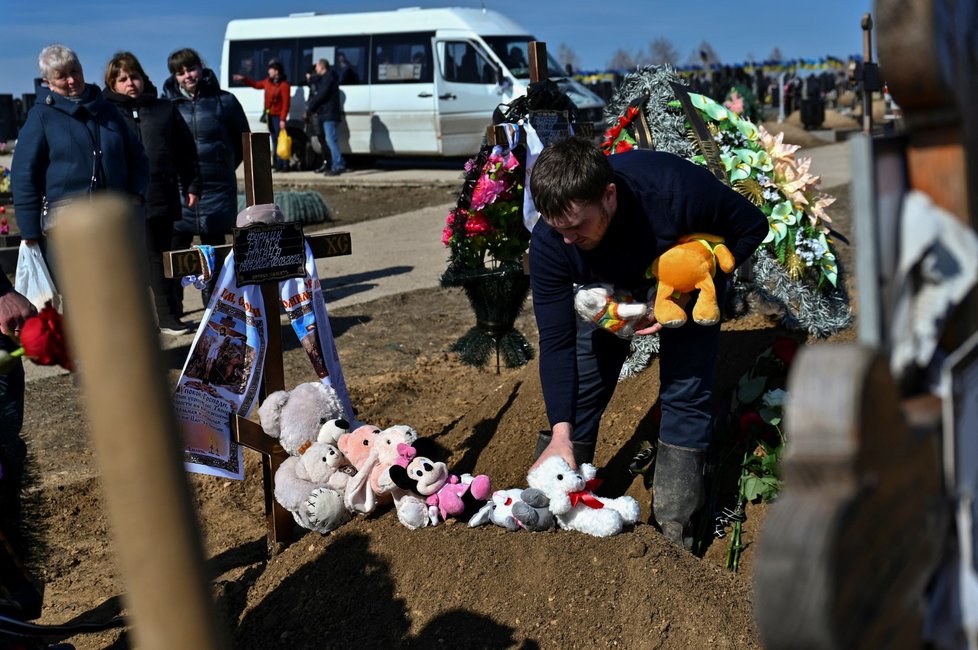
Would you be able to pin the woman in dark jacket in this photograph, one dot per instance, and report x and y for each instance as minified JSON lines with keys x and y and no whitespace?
{"x":73,"y":143}
{"x":217,"y":122}
{"x":172,"y":157}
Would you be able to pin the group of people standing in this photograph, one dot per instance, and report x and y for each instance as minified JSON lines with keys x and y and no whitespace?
{"x":323,"y":114}
{"x":174,"y":155}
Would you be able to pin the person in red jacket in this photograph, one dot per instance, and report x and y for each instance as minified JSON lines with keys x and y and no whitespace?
{"x":277,"y":96}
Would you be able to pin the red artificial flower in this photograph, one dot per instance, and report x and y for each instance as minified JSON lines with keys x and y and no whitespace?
{"x":477,"y":224}
{"x":623,"y":146}
{"x":750,"y":421}
{"x":614,"y":132}
{"x":43,"y":340}
{"x":785,"y":349}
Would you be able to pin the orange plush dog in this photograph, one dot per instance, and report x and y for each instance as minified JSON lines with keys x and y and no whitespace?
{"x":689,"y":265}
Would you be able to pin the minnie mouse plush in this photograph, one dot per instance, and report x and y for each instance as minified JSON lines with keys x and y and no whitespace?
{"x":447,"y":495}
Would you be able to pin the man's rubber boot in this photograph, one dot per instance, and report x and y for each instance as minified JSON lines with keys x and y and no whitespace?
{"x":678,"y":491}
{"x":583,"y":452}
{"x":543,"y":439}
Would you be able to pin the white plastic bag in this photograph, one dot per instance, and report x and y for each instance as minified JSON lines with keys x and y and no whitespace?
{"x":33,"y":279}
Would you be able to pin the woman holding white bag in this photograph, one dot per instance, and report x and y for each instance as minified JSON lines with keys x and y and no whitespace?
{"x":73,"y":143}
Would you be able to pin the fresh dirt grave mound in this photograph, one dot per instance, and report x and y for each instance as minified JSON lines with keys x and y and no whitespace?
{"x":374,"y":582}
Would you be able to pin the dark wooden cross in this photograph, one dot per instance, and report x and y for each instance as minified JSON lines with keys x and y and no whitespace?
{"x":863,"y":521}
{"x":258,"y":190}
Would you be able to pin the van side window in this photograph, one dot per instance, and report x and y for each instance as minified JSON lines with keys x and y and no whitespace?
{"x":464,"y":63}
{"x":401,"y":58}
{"x":251,"y":59}
{"x":347,"y":54}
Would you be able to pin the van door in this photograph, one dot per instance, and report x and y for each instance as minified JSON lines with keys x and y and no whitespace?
{"x":402,"y":95}
{"x":467,"y":94}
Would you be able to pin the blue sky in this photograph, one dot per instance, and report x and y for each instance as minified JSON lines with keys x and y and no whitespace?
{"x":151,"y":30}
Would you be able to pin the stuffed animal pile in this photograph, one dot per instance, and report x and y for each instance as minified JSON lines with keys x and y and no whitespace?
{"x":333,"y":473}
{"x":308,"y":421}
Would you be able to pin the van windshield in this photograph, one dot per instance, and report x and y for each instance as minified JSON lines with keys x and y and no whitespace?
{"x":513,"y":52}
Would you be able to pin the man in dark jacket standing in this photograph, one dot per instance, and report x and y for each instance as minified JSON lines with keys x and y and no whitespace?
{"x":217,"y":122}
{"x":172,"y":155}
{"x":325,"y":102}
{"x":606,"y":220}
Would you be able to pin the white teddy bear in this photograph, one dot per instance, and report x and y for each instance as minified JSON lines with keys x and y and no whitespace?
{"x":616,"y":311}
{"x":308,"y":421}
{"x":573,"y":503}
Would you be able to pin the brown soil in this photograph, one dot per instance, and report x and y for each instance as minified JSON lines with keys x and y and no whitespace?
{"x":373,"y":583}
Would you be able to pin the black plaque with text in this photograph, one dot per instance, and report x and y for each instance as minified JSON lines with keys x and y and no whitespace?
{"x":265,"y":253}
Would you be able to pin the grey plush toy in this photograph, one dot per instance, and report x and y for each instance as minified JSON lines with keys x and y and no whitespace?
{"x":516,"y":509}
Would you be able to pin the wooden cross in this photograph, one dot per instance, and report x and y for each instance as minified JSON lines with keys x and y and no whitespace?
{"x":258,"y":190}
{"x":848,"y":550}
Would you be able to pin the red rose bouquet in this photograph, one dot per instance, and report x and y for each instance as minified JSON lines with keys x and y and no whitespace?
{"x":42,"y":341}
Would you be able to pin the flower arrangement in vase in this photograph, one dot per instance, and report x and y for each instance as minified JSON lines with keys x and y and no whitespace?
{"x":485,"y":229}
{"x":486,"y":239}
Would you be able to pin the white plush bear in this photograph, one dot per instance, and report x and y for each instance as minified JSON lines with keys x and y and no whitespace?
{"x":573,"y":503}
{"x":295,"y":417}
{"x":309,"y":418}
{"x":616,"y":311}
{"x":323,"y":464}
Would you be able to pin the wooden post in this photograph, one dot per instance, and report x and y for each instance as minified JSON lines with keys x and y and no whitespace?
{"x":538,"y":61}
{"x":867,"y":25}
{"x":848,"y":550}
{"x":134,"y":430}
{"x":258,"y":190}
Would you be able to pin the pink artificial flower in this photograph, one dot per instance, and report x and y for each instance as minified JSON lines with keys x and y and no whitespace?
{"x":469,"y":165}
{"x":446,"y":235}
{"x":735,"y":103}
{"x":486,"y":191}
{"x":511,"y":162}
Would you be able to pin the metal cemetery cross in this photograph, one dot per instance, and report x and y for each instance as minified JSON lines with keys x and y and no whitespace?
{"x":258,"y":190}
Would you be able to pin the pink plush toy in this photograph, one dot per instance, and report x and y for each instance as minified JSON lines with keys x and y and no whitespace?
{"x":372,"y":485}
{"x":447,"y":495}
{"x":357,"y":444}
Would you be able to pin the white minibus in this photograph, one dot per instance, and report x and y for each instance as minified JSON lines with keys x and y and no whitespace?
{"x":417,"y":82}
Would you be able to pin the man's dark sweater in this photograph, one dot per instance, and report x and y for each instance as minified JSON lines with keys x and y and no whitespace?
{"x":661,"y":197}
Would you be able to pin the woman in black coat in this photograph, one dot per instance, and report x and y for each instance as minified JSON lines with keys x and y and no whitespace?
{"x":217,"y":122}
{"x":173,"y":164}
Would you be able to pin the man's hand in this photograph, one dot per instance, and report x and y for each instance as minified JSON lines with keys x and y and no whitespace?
{"x":14,"y":310}
{"x":560,"y":445}
{"x":648,"y":326}
{"x":192,"y":200}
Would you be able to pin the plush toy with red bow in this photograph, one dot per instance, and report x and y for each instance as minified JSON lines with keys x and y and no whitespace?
{"x":573,"y":502}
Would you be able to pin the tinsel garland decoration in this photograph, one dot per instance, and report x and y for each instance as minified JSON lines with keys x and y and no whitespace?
{"x":803,"y":303}
{"x":819,"y":313}
{"x":640,"y":355}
